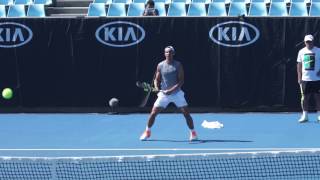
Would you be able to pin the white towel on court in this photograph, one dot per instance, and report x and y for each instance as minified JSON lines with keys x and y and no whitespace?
{"x":212,"y":124}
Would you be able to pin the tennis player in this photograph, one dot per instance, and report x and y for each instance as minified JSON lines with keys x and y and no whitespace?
{"x":170,"y":76}
{"x":308,"y":69}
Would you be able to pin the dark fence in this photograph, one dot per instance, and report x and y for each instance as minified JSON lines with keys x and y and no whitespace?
{"x":230,"y":63}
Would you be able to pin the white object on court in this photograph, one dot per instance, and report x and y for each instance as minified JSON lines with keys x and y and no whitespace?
{"x":212,"y":124}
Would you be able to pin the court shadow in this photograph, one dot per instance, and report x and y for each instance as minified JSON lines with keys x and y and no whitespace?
{"x":199,"y":141}
{"x":215,"y":141}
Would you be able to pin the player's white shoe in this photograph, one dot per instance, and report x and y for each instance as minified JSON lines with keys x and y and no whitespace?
{"x":318,"y":119}
{"x":303,"y":119}
{"x":145,"y":135}
{"x":193,"y":136}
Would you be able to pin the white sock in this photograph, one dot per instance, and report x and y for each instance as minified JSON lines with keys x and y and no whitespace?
{"x":305,"y":114}
{"x":192,"y":130}
{"x":148,"y":129}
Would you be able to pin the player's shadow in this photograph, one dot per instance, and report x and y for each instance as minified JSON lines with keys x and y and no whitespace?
{"x":199,"y":141}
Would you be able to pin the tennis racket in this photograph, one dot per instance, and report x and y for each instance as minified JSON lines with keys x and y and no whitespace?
{"x":302,"y":96}
{"x":146,"y":87}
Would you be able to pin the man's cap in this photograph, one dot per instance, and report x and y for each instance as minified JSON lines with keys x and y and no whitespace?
{"x":308,"y":37}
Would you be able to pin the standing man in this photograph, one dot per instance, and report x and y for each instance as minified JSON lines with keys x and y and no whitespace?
{"x":170,"y":76}
{"x":308,"y":69}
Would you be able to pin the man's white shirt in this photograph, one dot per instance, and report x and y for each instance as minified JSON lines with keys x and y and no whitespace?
{"x":310,"y":60}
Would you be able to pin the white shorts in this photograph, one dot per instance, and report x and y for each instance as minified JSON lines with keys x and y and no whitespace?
{"x":163,"y":100}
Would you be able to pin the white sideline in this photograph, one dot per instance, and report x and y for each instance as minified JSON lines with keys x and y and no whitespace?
{"x":163,"y":149}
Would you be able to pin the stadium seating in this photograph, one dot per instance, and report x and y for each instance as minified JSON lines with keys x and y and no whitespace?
{"x":161,"y":8}
{"x":258,"y":9}
{"x":237,"y":9}
{"x":197,"y":9}
{"x":298,"y":9}
{"x":278,"y":9}
{"x":140,"y":1}
{"x":97,"y":9}
{"x":172,"y":8}
{"x":314,"y":9}
{"x":239,"y":1}
{"x":16,"y":10}
{"x":103,"y":1}
{"x":182,"y":1}
{"x":224,"y":1}
{"x":36,"y":10}
{"x":201,"y":1}
{"x":217,"y":9}
{"x":177,"y":9}
{"x":135,"y":9}
{"x":2,"y":11}
{"x":275,"y":1}
{"x":117,"y":9}
{"x":122,"y":1}
{"x":24,"y":2}
{"x":254,"y":1}
{"x":45,"y":2}
{"x":6,"y":2}
{"x":163,"y":1}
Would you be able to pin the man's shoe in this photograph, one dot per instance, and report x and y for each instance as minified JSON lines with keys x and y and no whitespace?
{"x":193,"y":136}
{"x":303,"y":119}
{"x":145,"y":136}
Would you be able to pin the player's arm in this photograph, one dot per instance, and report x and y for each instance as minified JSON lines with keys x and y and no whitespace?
{"x":299,"y":68}
{"x":145,"y":12}
{"x":157,"y":79}
{"x":299,"y":72}
{"x":180,"y":81}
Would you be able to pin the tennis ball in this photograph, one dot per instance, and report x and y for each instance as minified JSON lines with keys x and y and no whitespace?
{"x":114,"y":102}
{"x":7,"y":93}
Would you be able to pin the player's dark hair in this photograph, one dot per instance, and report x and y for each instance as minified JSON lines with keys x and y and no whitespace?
{"x":150,"y":3}
{"x":171,"y":49}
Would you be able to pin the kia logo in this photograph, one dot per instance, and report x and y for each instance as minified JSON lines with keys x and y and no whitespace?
{"x":234,"y":34}
{"x":14,"y":35}
{"x":120,"y":34}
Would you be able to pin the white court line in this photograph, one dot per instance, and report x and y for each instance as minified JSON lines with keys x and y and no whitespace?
{"x":210,"y":151}
{"x":167,"y":149}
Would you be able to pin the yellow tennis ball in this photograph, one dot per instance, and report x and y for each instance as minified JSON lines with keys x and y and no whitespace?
{"x":7,"y":93}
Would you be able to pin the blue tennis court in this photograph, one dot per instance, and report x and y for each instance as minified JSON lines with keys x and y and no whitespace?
{"x":255,"y":146}
{"x":59,"y":135}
